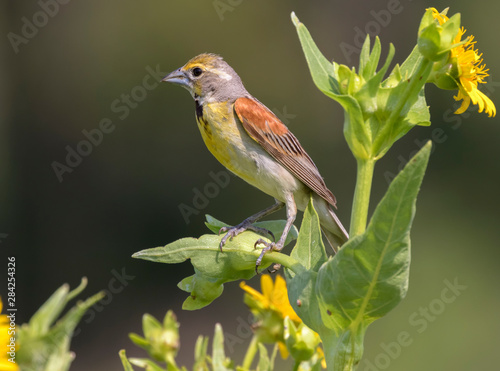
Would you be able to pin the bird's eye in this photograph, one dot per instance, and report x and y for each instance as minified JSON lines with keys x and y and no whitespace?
{"x":197,"y":71}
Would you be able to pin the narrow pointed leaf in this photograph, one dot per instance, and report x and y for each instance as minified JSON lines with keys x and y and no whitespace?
{"x":126,"y":364}
{"x":323,"y":72}
{"x":218,"y":354}
{"x":310,"y":251}
{"x":53,"y":307}
{"x":364,"y":57}
{"x":264,"y":361}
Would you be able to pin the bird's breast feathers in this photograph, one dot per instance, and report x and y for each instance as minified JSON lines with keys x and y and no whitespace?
{"x":231,"y":145}
{"x":219,"y":131}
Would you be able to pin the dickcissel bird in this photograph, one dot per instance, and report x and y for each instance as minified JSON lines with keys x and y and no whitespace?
{"x":249,"y":140}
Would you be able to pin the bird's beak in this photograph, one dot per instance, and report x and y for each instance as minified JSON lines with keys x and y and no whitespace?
{"x":178,"y":77}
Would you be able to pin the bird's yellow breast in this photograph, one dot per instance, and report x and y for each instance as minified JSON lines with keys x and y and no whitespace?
{"x":224,"y":136}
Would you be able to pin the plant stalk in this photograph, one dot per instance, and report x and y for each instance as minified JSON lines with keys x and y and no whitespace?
{"x":361,"y":202}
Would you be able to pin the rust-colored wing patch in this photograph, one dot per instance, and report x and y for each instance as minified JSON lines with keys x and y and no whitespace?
{"x":266,"y":129}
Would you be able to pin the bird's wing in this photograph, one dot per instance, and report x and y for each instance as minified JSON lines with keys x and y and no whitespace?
{"x":266,"y":129}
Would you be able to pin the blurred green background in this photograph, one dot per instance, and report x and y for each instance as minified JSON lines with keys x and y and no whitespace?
{"x":79,"y":68}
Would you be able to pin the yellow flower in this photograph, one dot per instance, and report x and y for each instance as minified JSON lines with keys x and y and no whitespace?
{"x":270,"y":308}
{"x":273,"y":297}
{"x":5,"y":364}
{"x":471,"y":71}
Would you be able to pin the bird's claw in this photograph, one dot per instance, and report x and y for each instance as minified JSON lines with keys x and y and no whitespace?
{"x":268,"y":246}
{"x":240,"y":228}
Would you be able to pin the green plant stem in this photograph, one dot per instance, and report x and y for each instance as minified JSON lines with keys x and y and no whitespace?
{"x":250,"y":355}
{"x":361,"y":200}
{"x":284,"y":260}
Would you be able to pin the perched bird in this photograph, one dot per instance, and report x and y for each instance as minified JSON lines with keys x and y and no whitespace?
{"x":249,"y":140}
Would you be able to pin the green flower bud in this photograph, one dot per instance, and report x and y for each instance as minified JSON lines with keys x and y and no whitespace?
{"x":445,"y":75}
{"x":160,"y":341}
{"x":301,"y":341}
{"x":437,"y":33}
{"x":268,"y":327}
{"x":350,"y":81}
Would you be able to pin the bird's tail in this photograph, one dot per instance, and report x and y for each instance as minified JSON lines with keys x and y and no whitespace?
{"x":331,"y":225}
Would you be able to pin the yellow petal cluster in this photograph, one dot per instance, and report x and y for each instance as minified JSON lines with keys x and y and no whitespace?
{"x":472,"y":72}
{"x":5,"y":364}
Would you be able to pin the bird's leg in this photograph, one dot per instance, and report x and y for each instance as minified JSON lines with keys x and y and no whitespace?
{"x":291,"y":213}
{"x":247,"y":224}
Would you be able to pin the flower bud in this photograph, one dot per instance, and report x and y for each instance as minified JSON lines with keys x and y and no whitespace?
{"x":437,"y":33}
{"x":301,"y":341}
{"x":160,"y":341}
{"x":445,"y":75}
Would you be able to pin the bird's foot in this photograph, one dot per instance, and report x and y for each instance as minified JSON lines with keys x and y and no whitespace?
{"x":240,"y":228}
{"x":268,"y":246}
{"x":276,"y":267}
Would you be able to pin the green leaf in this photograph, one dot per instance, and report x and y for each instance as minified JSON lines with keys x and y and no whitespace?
{"x":42,"y":347}
{"x":419,"y":113}
{"x":325,"y":75}
{"x":450,"y":31}
{"x":368,"y":68}
{"x":376,"y":78}
{"x":202,"y":291}
{"x":44,"y":317}
{"x":264,"y":361}
{"x":364,"y":56}
{"x":429,"y":42}
{"x":411,"y":63}
{"x":212,"y":267}
{"x":150,"y":325}
{"x":149,"y":365}
{"x":139,"y":340}
{"x":367,"y":95}
{"x":310,"y":251}
{"x":323,"y":72}
{"x":369,"y":276}
{"x":219,"y":361}
{"x":427,"y":20}
{"x":200,"y":354}
{"x":126,"y":364}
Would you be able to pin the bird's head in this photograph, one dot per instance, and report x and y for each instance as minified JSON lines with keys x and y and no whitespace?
{"x":209,"y":78}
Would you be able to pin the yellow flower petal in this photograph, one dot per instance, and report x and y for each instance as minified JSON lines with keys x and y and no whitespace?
{"x":280,"y":300}
{"x":283,"y":350}
{"x":266,"y":285}
{"x":254,"y":293}
{"x":465,"y":103}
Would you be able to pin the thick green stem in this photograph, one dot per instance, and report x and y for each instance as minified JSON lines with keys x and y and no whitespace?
{"x":284,"y":260}
{"x":361,"y":200}
{"x":250,"y":355}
